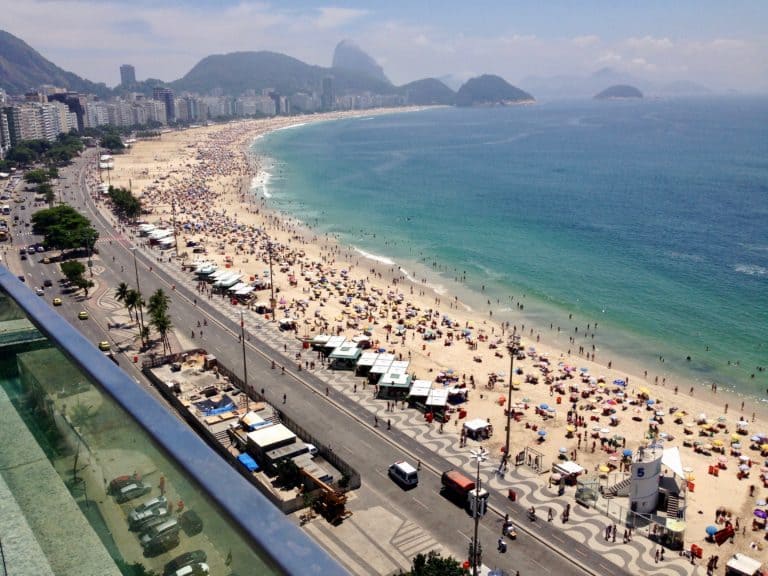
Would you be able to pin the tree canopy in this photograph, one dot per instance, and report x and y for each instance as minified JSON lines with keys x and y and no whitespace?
{"x":60,"y":151}
{"x":112,"y":141}
{"x":124,"y":203}
{"x":63,"y":227}
{"x":433,"y":564}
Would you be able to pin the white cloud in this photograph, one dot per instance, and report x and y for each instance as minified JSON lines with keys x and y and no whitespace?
{"x":337,"y":17}
{"x":649,"y":43}
{"x":609,"y":57}
{"x":585,"y":41}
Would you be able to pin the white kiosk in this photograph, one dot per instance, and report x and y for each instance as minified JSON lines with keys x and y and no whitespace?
{"x":644,"y":487}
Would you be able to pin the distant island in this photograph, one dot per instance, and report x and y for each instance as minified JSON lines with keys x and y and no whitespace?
{"x":619,"y":91}
{"x":490,"y":90}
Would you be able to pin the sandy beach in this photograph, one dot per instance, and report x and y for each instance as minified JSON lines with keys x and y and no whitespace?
{"x":205,"y":176}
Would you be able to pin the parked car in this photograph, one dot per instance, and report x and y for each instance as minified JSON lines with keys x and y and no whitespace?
{"x":151,"y":508}
{"x":57,"y":301}
{"x":156,"y":534}
{"x":197,"y":569}
{"x":132,"y":491}
{"x":47,"y":283}
{"x":191,"y":523}
{"x":83,"y":315}
{"x":149,"y":521}
{"x":119,"y":482}
{"x":161,"y":544}
{"x":404,"y":474}
{"x":39,"y":291}
{"x":186,"y":559}
{"x":104,"y":346}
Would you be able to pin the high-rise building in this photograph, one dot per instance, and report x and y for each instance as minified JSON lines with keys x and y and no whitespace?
{"x":127,"y":75}
{"x":165,"y":95}
{"x":328,"y":96}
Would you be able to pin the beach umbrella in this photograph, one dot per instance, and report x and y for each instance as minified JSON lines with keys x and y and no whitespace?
{"x":620,"y":382}
{"x":605,"y":431}
{"x":627,"y":452}
{"x":735,"y":438}
{"x":604,"y":469}
{"x":650,"y":402}
{"x":663,"y":435}
{"x":570,"y":428}
{"x":755,"y":438}
{"x":744,"y":458}
{"x":760,"y":502}
{"x":583,"y":370}
{"x":660,"y":413}
{"x":760,"y":513}
{"x":736,"y":446}
{"x":722,"y":459}
{"x":542,"y":433}
{"x":679,"y":414}
{"x":543,"y":406}
{"x":744,"y":468}
{"x":563,"y":450}
{"x":742,"y":423}
{"x":711,"y":530}
{"x":717,"y":443}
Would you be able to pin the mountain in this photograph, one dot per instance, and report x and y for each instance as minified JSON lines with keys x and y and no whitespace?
{"x":237,"y":72}
{"x":350,"y":56}
{"x":428,"y":91}
{"x":490,"y":90}
{"x":23,"y":69}
{"x":619,"y":91}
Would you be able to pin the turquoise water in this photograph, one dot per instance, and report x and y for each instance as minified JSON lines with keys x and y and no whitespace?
{"x":648,"y":217}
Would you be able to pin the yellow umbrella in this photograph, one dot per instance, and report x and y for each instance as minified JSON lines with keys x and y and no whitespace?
{"x":644,"y":391}
{"x":570,"y":429}
{"x":679,"y":414}
{"x":735,"y":438}
{"x":604,"y":468}
{"x":717,"y":442}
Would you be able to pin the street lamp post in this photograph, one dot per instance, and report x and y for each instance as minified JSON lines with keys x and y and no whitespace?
{"x":480,"y":455}
{"x":513,"y":346}
{"x":138,"y":289}
{"x":245,"y":365}
{"x":272,"y":301}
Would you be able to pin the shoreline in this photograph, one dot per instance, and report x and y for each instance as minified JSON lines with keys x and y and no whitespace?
{"x":672,"y":368}
{"x":308,"y":253}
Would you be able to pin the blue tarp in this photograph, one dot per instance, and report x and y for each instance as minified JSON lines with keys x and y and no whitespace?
{"x":248,"y":462}
{"x":209,"y":408}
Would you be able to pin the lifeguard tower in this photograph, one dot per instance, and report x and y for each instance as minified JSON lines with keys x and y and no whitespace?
{"x":644,"y":479}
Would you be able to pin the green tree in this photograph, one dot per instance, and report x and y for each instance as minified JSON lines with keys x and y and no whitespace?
{"x":47,"y":190}
{"x":72,"y":270}
{"x":38,"y":176}
{"x":112,"y":142}
{"x":121,"y":295}
{"x":124,"y":203}
{"x":85,"y":284}
{"x":159,"y":318}
{"x":64,"y":228}
{"x":433,"y":564}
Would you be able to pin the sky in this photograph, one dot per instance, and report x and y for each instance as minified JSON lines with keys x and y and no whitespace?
{"x":721,"y":44}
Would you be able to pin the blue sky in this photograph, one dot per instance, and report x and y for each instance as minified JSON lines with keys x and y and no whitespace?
{"x":721,"y":44}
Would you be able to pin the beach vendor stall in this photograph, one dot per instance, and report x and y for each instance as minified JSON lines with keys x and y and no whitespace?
{"x":417,"y":396}
{"x":380,"y":367}
{"x":394,"y":384}
{"x":478,"y":429}
{"x":569,"y":472}
{"x":436,"y":405}
{"x":345,"y":356}
{"x":365,"y":363}
{"x":331,"y":344}
{"x":319,"y":341}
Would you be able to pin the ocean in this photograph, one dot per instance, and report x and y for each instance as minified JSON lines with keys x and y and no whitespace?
{"x":645,"y":218}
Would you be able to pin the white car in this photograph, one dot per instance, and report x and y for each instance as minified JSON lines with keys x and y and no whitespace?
{"x":39,"y":291}
{"x":148,"y":509}
{"x":311,"y":448}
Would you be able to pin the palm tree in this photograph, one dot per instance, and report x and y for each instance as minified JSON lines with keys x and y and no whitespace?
{"x":121,"y":295}
{"x":159,"y":319}
{"x":134,"y":301}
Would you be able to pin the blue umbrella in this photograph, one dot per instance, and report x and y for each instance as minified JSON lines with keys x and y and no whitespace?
{"x":650,"y":402}
{"x":542,"y":432}
{"x":712,"y":530}
{"x":627,"y":452}
{"x":543,"y":406}
{"x":619,"y":382}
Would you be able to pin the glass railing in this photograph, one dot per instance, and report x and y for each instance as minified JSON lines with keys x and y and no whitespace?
{"x":83,"y":447}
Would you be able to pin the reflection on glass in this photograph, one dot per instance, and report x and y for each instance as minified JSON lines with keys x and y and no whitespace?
{"x":83,"y":490}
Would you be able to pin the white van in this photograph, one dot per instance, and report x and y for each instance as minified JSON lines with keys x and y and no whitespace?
{"x":404,"y":474}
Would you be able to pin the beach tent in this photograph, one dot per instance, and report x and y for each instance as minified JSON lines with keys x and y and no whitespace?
{"x":671,"y":459}
{"x":478,"y":428}
{"x":420,"y":390}
{"x":237,"y":286}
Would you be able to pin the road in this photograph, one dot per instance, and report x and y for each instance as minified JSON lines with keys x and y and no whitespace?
{"x":344,"y":424}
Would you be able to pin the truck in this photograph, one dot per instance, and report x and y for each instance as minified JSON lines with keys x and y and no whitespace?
{"x":461,"y":488}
